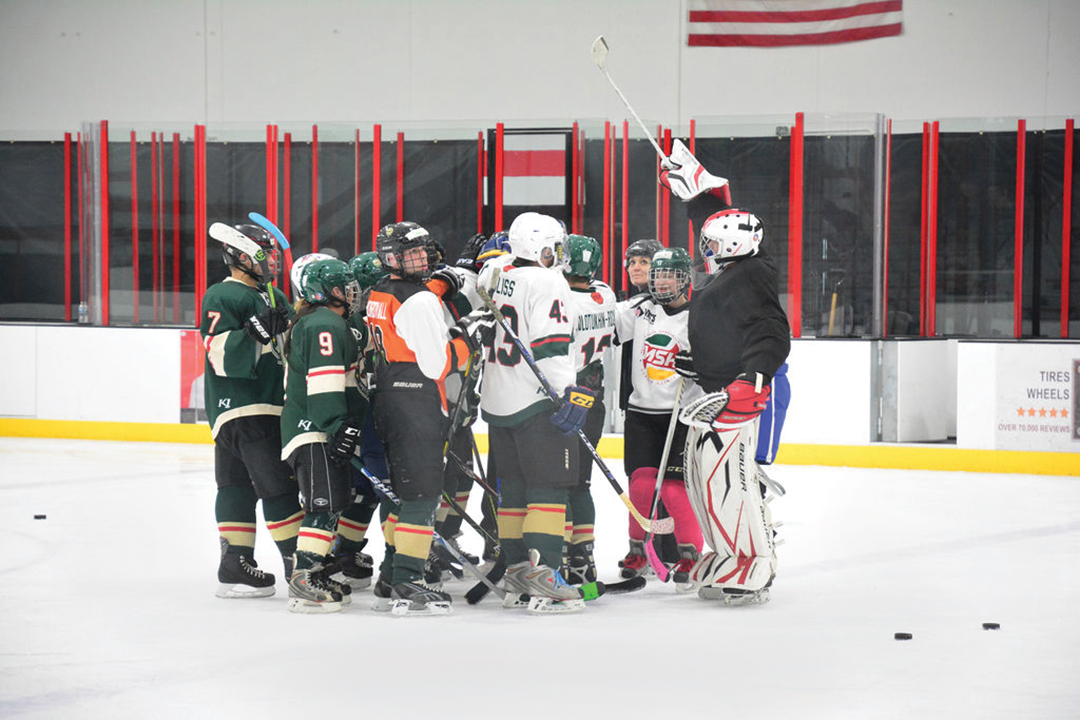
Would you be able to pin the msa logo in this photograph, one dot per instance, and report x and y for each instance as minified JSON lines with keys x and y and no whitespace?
{"x":304,"y":424}
{"x":224,"y":403}
{"x":658,"y":357}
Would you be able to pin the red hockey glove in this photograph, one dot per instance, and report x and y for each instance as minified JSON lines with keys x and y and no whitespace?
{"x":747,"y":397}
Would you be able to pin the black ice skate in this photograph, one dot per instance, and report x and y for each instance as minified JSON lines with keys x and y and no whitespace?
{"x":417,"y":598}
{"x":240,"y":577}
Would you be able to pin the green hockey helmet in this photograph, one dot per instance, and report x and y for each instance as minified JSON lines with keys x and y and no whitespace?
{"x":368,"y":269}
{"x":669,"y":275}
{"x":583,"y":256}
{"x":331,"y":283}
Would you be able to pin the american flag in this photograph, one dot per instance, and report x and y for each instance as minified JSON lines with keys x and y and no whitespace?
{"x":784,"y":23}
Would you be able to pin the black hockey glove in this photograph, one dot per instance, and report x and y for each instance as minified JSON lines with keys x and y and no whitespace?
{"x":477,"y":329}
{"x":473,"y":246}
{"x":343,"y":443}
{"x":591,"y":377}
{"x":266,"y":325}
{"x":684,"y":365}
{"x":451,"y":283}
{"x":575,"y":408}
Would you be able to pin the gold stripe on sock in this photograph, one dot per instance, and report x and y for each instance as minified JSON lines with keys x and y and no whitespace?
{"x":413,"y":540}
{"x":511,"y":523}
{"x":238,"y":534}
{"x":545,"y":519}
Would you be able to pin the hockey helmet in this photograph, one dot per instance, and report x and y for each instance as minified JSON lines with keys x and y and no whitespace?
{"x":583,"y":256}
{"x":331,"y":282}
{"x":394,"y":242}
{"x":669,"y":275}
{"x":368,"y":269}
{"x":538,"y":238}
{"x":259,"y":262}
{"x":496,"y":245}
{"x":729,"y":235}
{"x":297,"y":272}
{"x":646,"y":247}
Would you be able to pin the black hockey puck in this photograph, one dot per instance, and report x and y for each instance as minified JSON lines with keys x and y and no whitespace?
{"x":991,"y":626}
{"x":901,"y":636}
{"x":39,"y":517}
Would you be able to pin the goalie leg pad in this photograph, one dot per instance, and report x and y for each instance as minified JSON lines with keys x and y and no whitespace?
{"x":721,"y":478}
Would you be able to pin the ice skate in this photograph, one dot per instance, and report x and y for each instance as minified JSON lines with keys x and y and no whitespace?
{"x":548,"y":592}
{"x":309,"y":592}
{"x":383,"y":592}
{"x":635,"y":564}
{"x":354,"y":568}
{"x":417,"y":598}
{"x":240,"y":577}
{"x":680,"y":573}
{"x":580,"y":564}
{"x":713,"y":574}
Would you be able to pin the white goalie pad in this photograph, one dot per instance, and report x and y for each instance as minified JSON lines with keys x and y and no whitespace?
{"x":722,"y":483}
{"x":685,"y":176}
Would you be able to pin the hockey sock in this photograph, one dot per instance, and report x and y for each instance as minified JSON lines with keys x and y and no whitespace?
{"x":687,"y":531}
{"x":451,"y":525}
{"x":545,"y":523}
{"x":511,"y":519}
{"x":389,"y":520}
{"x":283,"y":517}
{"x":315,"y":538}
{"x":412,"y":538}
{"x":353,"y":526}
{"x":642,"y":487}
{"x":234,"y":509}
{"x":583,"y":512}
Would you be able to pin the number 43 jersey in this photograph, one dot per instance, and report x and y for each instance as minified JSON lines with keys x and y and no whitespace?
{"x":536,"y":304}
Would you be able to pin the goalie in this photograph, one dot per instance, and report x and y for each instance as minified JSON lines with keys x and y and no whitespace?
{"x":739,"y":339}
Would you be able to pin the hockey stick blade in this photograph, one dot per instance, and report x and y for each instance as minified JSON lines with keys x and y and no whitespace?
{"x":656,"y":563}
{"x":599,"y":55}
{"x":480,"y":590}
{"x":270,"y":227}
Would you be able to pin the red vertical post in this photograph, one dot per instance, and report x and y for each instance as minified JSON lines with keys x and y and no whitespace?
{"x":155,"y":226}
{"x":1018,"y":231}
{"x":1066,"y":226}
{"x":356,"y":193}
{"x":659,"y":188}
{"x":200,"y":216}
{"x":134,"y":230}
{"x":931,"y":226}
{"x":573,"y":178}
{"x":82,"y":234}
{"x":885,"y":233}
{"x":286,"y":187}
{"x":924,"y":225}
{"x":689,"y":224}
{"x":376,"y":182}
{"x":605,"y":238}
{"x":665,"y":198}
{"x":480,"y":182}
{"x":400,"y":214}
{"x":499,"y":130}
{"x":271,"y":189}
{"x":104,"y":222}
{"x":176,"y":226}
{"x":795,"y":227}
{"x":314,"y":188}
{"x":625,"y":239}
{"x":67,"y":227}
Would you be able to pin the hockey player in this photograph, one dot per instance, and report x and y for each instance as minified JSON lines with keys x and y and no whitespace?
{"x":242,"y":320}
{"x":535,"y":449}
{"x":320,"y":425}
{"x":657,"y":324}
{"x":592,"y":308}
{"x":414,"y":355}
{"x":739,"y":338}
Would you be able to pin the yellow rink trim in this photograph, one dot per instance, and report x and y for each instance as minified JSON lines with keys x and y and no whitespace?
{"x":879,"y":455}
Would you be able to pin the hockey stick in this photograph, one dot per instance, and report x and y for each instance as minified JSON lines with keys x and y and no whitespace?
{"x":392,"y":497}
{"x":664,"y":526}
{"x":229,"y":235}
{"x":660,"y":568}
{"x":271,"y":228}
{"x":599,"y":56}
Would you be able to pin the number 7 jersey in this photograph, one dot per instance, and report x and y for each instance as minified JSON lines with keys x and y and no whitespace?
{"x":536,"y":304}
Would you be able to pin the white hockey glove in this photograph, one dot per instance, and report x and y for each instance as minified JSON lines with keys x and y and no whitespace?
{"x":684,"y":175}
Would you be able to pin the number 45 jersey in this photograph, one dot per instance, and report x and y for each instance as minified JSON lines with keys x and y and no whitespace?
{"x":536,"y":304}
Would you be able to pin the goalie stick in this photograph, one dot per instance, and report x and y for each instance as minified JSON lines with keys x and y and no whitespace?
{"x":392,"y":497}
{"x":661,"y":527}
{"x":599,"y":56}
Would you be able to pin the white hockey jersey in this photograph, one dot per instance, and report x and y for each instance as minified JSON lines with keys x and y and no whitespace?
{"x":657,"y":336}
{"x":536,"y":304}
{"x":593,"y":312}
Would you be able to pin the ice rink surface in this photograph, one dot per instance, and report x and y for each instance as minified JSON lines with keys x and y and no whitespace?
{"x":107,"y":610}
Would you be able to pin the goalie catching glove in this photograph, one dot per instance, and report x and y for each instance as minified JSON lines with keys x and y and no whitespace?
{"x":266,"y":325}
{"x":343,"y":443}
{"x":736,"y":405}
{"x":477,"y":329}
{"x":570,"y":417}
{"x":683,"y":175}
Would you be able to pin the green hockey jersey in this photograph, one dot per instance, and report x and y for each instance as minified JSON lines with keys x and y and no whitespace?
{"x":241,"y":377}
{"x":321,"y":391}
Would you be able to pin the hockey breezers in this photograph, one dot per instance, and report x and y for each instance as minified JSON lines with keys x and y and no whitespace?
{"x":659,"y":527}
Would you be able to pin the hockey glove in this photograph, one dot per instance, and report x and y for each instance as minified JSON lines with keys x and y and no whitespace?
{"x":571,"y":416}
{"x":477,"y":329}
{"x":343,"y":443}
{"x":473,"y":246}
{"x":445,"y":283}
{"x":684,"y":175}
{"x":591,"y":377}
{"x":747,"y":397}
{"x":684,"y":364}
{"x":266,"y":325}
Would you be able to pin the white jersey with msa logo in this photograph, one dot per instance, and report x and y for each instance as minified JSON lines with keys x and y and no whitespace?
{"x":536,"y":304}
{"x":593,"y":312}
{"x":657,"y":334}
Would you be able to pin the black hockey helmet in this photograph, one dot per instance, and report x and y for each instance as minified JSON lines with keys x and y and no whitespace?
{"x":262,"y":264}
{"x":393,"y":243}
{"x":646,"y":247}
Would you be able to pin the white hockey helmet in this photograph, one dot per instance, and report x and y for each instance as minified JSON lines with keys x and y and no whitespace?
{"x":297,"y":272}
{"x":537,"y":237}
{"x":729,"y":235}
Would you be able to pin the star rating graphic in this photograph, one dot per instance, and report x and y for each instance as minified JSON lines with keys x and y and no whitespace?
{"x":1042,"y":412}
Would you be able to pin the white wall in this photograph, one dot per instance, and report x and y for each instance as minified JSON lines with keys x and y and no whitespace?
{"x":66,"y":61}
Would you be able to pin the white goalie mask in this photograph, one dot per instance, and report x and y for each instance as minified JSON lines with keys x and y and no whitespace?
{"x":729,"y":235}
{"x":539,"y":238}
{"x":297,"y":273}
